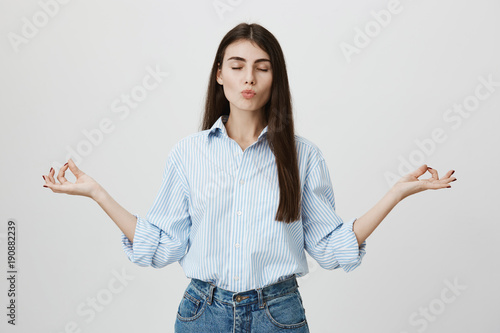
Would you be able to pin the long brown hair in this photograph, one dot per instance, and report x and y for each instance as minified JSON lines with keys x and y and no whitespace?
{"x":277,"y":113}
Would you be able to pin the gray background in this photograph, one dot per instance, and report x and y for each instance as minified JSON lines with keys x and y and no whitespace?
{"x":366,"y":114}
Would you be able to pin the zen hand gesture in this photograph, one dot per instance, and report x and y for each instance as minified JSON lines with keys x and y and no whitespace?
{"x":84,"y":184}
{"x":410,"y":184}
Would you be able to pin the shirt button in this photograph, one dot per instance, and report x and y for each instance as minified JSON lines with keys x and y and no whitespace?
{"x":236,"y":278}
{"x":237,"y":245}
{"x":239,"y":212}
{"x":242,"y":181}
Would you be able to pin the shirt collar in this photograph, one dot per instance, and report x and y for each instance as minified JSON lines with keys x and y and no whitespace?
{"x":218,"y":127}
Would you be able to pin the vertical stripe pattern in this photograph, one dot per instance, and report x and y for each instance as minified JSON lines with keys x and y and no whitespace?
{"x":214,"y":214}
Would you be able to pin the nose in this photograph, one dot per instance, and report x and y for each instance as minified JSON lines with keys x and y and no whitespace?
{"x":250,"y":76}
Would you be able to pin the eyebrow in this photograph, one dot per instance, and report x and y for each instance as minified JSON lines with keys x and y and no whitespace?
{"x":244,"y":60}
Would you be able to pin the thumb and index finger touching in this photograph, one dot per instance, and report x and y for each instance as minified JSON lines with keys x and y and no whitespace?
{"x":434,"y":182}
{"x":434,"y":173}
{"x":50,"y":181}
{"x":72,"y":167}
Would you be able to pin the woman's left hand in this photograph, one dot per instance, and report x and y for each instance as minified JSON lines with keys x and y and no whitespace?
{"x":410,"y":184}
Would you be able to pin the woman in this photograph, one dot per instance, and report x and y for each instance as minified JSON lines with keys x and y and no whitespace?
{"x":242,"y":199}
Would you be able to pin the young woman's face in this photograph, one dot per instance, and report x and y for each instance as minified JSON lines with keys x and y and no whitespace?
{"x":246,"y":67}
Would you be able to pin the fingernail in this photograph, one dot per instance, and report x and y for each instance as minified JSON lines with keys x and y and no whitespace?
{"x":452,"y":172}
{"x":65,"y":164}
{"x":51,"y":169}
{"x":43,"y":177}
{"x":429,"y":168}
{"x":45,"y":186}
{"x":454,"y":180}
{"x":448,"y":186}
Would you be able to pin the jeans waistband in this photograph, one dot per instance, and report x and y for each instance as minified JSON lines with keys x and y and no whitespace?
{"x":259,"y":295}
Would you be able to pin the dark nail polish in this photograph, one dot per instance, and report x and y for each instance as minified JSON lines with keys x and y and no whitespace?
{"x":45,"y":186}
{"x":51,"y":169}
{"x":429,"y":167}
{"x":43,"y":177}
{"x":65,"y":164}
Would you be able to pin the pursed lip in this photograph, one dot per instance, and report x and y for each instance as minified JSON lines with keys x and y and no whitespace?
{"x":248,"y":92}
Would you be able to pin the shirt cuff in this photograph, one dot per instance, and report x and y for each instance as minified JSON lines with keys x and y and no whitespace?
{"x":350,"y":256}
{"x":146,"y":240}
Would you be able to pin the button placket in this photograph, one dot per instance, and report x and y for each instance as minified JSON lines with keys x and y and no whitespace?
{"x":239,"y":180}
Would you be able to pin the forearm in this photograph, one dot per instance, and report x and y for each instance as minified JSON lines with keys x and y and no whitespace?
{"x":364,"y":226}
{"x":122,"y":218}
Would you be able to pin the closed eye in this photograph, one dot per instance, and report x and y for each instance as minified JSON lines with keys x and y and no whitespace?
{"x":261,"y":69}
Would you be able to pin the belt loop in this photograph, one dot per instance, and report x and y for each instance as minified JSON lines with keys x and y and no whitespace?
{"x":210,"y":294}
{"x":261,"y":298}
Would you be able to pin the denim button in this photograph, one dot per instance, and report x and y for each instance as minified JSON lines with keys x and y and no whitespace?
{"x":239,"y":298}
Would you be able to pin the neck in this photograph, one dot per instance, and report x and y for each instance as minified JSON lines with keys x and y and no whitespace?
{"x":245,"y":126}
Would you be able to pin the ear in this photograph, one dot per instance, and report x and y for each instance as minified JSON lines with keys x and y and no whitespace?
{"x":219,"y":78}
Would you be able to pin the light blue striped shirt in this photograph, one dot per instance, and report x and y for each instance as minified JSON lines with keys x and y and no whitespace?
{"x":214,"y":214}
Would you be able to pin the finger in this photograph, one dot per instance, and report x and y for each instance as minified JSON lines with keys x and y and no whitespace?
{"x":420,"y":171}
{"x":60,"y":175}
{"x":449,"y":173}
{"x":57,"y":188}
{"x":449,"y":180}
{"x":434,"y":173}
{"x":51,"y":175}
{"x":74,"y":169}
{"x":46,"y":179}
{"x":436,"y":186}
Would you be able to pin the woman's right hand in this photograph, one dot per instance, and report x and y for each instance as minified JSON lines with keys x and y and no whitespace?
{"x":84,"y":184}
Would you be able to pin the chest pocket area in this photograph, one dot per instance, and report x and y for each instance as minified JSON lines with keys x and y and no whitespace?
{"x":265,"y":195}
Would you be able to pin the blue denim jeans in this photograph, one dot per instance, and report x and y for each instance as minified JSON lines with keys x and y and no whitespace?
{"x":274,"y":308}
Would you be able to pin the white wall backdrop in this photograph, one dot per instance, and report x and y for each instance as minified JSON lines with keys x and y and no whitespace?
{"x":380,"y":86}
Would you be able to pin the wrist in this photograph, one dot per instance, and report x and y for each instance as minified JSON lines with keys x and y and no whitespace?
{"x":98,"y":194}
{"x":396,"y":194}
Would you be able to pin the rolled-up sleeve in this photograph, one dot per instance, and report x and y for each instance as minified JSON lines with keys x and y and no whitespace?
{"x":162,"y":237}
{"x":330,"y":241}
